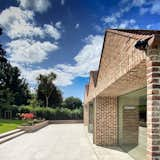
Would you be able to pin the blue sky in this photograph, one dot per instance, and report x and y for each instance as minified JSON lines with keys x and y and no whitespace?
{"x":66,"y":36}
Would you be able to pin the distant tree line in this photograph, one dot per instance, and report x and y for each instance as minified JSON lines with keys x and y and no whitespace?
{"x":14,"y":90}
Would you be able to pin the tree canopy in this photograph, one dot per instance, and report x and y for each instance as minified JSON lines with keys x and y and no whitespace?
{"x":13,"y":88}
{"x":47,"y":93}
{"x":72,"y":103}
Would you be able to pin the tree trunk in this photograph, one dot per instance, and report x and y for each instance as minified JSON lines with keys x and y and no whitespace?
{"x":46,"y":101}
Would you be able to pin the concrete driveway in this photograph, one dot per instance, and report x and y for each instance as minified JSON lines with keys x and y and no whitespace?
{"x":58,"y":142}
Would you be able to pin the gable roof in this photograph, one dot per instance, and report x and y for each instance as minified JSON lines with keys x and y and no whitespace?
{"x":93,"y":75}
{"x":86,"y":89}
{"x":139,"y":32}
{"x":132,"y":33}
{"x":152,"y":36}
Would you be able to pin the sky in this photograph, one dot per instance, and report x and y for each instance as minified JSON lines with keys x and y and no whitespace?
{"x":66,"y":36}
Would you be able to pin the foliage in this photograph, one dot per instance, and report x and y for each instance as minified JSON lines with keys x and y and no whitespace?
{"x":26,"y":109}
{"x":33,"y":101}
{"x":13,"y":88}
{"x":47,"y":93}
{"x":53,"y":113}
{"x":72,"y":103}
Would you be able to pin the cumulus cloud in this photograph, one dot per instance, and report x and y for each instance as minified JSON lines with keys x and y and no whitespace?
{"x":35,"y":5}
{"x":122,"y":23}
{"x":29,"y":51}
{"x":52,"y":31}
{"x":91,"y":51}
{"x":66,"y":73}
{"x":116,"y":20}
{"x":128,"y":24}
{"x":152,"y":7}
{"x":19,"y":23}
{"x":111,"y":19}
{"x":58,"y":24}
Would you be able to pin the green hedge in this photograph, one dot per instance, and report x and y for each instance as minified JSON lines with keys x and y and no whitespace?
{"x":53,"y":113}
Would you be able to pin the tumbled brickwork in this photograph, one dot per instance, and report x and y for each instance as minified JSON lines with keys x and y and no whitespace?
{"x":85,"y":114}
{"x":86,"y":93}
{"x":119,"y":56}
{"x":91,"y":87}
{"x":132,"y":80}
{"x":130,"y":125}
{"x":105,"y":122}
{"x":153,"y":106}
{"x":122,"y":69}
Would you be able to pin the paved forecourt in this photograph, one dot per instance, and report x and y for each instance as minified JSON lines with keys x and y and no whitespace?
{"x":54,"y":142}
{"x":58,"y":142}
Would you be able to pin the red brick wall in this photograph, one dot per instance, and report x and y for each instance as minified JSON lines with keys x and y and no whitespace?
{"x":85,"y":114}
{"x":153,"y":106}
{"x":105,"y":122}
{"x":118,"y":58}
{"x":130,"y":125}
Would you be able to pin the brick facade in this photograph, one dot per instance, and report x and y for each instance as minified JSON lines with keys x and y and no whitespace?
{"x":153,"y":105}
{"x":85,"y":115}
{"x":130,"y":125}
{"x":105,"y":122}
{"x":124,"y":68}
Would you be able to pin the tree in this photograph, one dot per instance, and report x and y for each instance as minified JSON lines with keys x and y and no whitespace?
{"x":72,"y":103}
{"x":13,"y":88}
{"x":47,"y":92}
{"x":33,"y":101}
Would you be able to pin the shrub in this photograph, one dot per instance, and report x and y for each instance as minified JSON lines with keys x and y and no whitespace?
{"x":25,"y":109}
{"x":53,"y":113}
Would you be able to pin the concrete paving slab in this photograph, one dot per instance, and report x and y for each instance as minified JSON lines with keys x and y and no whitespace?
{"x":108,"y":152}
{"x":58,"y":142}
{"x":54,"y":142}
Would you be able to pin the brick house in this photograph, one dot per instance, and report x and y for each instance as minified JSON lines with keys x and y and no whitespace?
{"x":130,"y":62}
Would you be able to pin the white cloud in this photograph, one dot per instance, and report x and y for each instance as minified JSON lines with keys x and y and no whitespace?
{"x":91,"y":51}
{"x":152,"y":7}
{"x":52,"y":31}
{"x":155,"y":26}
{"x":113,"y":22}
{"x":111,"y":19}
{"x":66,"y":73}
{"x":58,"y":25}
{"x":98,"y":28}
{"x":35,"y":5}
{"x":155,"y":9}
{"x":138,"y":3}
{"x":128,"y":24}
{"x":77,"y":26}
{"x":29,"y":51}
{"x":149,"y":26}
{"x":20,"y":23}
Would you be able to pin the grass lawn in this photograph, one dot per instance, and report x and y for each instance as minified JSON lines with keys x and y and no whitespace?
{"x":8,"y":125}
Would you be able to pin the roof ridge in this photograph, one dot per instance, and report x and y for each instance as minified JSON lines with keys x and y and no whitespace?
{"x":128,"y":34}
